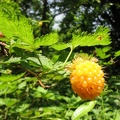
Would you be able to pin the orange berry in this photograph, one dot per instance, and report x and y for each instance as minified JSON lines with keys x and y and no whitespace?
{"x":87,"y":78}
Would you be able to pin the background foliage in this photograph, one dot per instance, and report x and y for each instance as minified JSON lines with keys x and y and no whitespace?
{"x":34,"y":82}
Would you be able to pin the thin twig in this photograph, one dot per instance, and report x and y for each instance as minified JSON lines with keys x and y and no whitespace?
{"x":43,"y":84}
{"x":37,"y":76}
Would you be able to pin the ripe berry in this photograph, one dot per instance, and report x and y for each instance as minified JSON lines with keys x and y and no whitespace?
{"x":87,"y":78}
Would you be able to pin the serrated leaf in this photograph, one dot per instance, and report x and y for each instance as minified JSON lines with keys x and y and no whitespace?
{"x":47,"y":40}
{"x":17,"y":27}
{"x":83,"y":109}
{"x":23,"y":46}
{"x":60,"y":46}
{"x":100,"y":37}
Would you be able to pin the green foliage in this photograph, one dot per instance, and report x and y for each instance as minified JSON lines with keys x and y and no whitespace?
{"x":60,"y":46}
{"x":45,"y":62}
{"x":83,"y":109}
{"x":16,"y":26}
{"x":32,"y":86}
{"x":11,"y":60}
{"x":102,"y":52}
{"x":46,"y":40}
{"x":100,"y":37}
{"x":8,"y":83}
{"x":117,"y":53}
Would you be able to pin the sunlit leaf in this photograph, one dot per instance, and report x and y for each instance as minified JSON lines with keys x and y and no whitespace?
{"x":100,"y":37}
{"x":117,"y":116}
{"x":2,"y":102}
{"x":46,"y":62}
{"x":117,"y":53}
{"x":12,"y":60}
{"x":22,"y":107}
{"x":9,"y":102}
{"x":22,"y":85}
{"x":9,"y":78}
{"x":41,"y":90}
{"x":102,"y":53}
{"x":83,"y":109}
{"x":46,"y":40}
{"x":16,"y":27}
{"x":60,"y":46}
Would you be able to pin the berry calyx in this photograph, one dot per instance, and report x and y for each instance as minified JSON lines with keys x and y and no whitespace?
{"x":87,"y":78}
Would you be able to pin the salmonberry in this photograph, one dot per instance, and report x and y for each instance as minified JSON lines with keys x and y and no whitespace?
{"x":87,"y":78}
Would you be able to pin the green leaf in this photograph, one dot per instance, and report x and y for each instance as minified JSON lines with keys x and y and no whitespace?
{"x":60,"y":46}
{"x":83,"y":109}
{"x":10,"y":102}
{"x":22,"y":107}
{"x":27,"y":113}
{"x":23,"y":45}
{"x":106,"y":49}
{"x":100,"y":37}
{"x":52,"y":109}
{"x":12,"y":60}
{"x":50,"y":96}
{"x":7,"y":71}
{"x":41,"y":90}
{"x":15,"y":26}
{"x":46,"y":62}
{"x":9,"y":78}
{"x":22,"y":85}
{"x":101,"y":53}
{"x":2,"y":102}
{"x":117,"y":53}
{"x":47,"y":40}
{"x":7,"y":88}
{"x":117,"y":116}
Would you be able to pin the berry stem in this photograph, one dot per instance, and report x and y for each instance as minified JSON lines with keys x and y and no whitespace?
{"x":71,"y":49}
